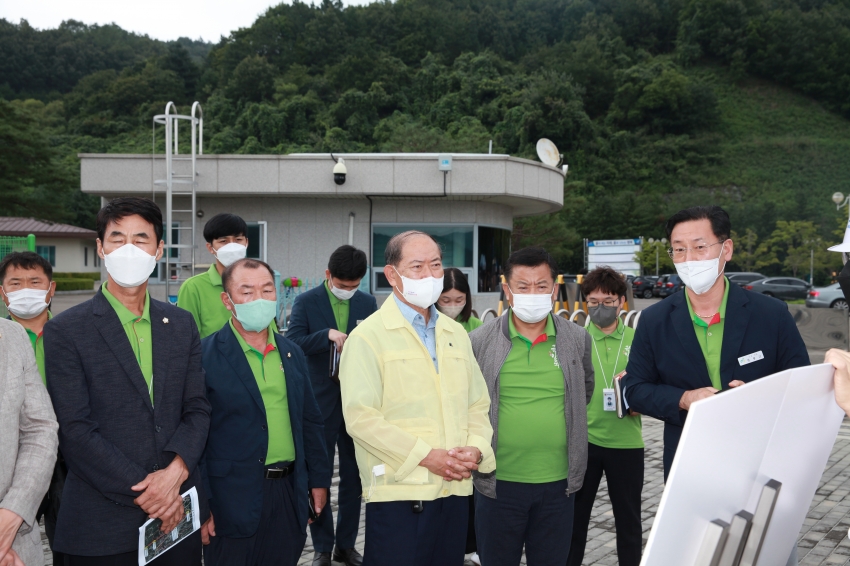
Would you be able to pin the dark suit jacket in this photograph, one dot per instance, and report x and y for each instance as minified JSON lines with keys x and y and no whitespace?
{"x":235,"y":455}
{"x":666,"y":359}
{"x":109,"y":434}
{"x":312,"y":317}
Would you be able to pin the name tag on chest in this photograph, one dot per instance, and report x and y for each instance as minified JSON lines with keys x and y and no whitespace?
{"x":608,"y":400}
{"x":750,"y":358}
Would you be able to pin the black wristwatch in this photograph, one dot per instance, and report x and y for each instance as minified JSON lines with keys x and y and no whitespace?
{"x":480,"y":458}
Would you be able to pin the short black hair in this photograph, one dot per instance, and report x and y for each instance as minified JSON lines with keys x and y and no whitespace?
{"x":604,"y":279}
{"x":453,"y":278}
{"x":721,"y":226}
{"x":247,"y":263}
{"x":25,"y":260}
{"x":120,"y":208}
{"x":531,"y":257}
{"x":348,"y":263}
{"x":223,"y":225}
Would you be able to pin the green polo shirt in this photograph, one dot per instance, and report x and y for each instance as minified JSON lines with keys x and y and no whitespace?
{"x":38,"y":348}
{"x":138,"y":331}
{"x":532,"y":441}
{"x":201,"y":296}
{"x":470,"y":324}
{"x":267,"y":368}
{"x":603,"y":427}
{"x":710,"y":337}
{"x":340,"y":309}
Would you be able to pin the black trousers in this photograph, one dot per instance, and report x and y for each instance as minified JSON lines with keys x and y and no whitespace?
{"x":623,"y":469}
{"x":49,"y":508}
{"x":471,"y":543}
{"x":278,"y":541}
{"x":348,"y":496}
{"x":187,"y":553}
{"x":536,"y":515}
{"x":435,"y":537}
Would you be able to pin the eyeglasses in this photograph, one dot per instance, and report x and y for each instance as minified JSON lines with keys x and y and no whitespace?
{"x":700,"y":251}
{"x":593,"y":303}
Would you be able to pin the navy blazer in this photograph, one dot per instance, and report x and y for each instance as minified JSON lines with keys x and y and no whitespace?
{"x":312,"y":317}
{"x":234,"y":460}
{"x":109,"y":433}
{"x":666,"y":359}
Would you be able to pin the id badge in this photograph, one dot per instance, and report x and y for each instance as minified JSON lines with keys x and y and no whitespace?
{"x":608,"y":402}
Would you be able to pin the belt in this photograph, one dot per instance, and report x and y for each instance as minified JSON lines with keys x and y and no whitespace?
{"x":279,"y":471}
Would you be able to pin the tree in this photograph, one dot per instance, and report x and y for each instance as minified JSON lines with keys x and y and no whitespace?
{"x":749,"y":255}
{"x":547,"y":232}
{"x":650,"y":252}
{"x":793,"y":244}
{"x":32,"y":181}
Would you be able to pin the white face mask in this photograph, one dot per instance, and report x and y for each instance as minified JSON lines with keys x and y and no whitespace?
{"x":699,"y":276}
{"x":532,"y":308}
{"x":340,"y":294}
{"x":229,"y":254}
{"x":27,"y":303}
{"x":129,"y":265}
{"x":451,"y":311}
{"x":421,"y":292}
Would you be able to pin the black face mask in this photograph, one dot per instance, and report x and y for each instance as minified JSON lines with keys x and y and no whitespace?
{"x":602,"y":316}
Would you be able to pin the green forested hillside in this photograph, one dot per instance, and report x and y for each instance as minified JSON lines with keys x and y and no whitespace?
{"x":656,"y":104}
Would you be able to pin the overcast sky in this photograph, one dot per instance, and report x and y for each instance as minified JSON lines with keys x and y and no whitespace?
{"x":160,"y":19}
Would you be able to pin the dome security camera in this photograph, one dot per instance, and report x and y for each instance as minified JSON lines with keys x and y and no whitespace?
{"x":340,"y":172}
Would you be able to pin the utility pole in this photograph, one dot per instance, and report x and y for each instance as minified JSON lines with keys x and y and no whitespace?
{"x":812,"y":269}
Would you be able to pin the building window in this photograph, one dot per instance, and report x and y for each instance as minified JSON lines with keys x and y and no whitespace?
{"x":257,"y":240}
{"x":173,"y":256}
{"x":85,"y":256}
{"x":48,"y":253}
{"x":494,"y":247}
{"x":456,"y":240}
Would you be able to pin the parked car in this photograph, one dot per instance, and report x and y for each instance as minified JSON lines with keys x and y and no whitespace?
{"x":667,"y":285}
{"x":742,"y":278}
{"x":786,"y":288}
{"x":826,"y":297}
{"x":642,"y":286}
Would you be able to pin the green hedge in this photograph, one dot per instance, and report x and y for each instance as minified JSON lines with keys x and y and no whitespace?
{"x":69,"y":284}
{"x":62,"y":275}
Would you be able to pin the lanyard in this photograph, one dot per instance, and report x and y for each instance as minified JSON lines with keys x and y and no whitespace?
{"x":596,"y":349}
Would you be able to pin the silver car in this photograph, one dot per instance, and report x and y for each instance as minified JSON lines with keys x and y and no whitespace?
{"x":826,"y":297}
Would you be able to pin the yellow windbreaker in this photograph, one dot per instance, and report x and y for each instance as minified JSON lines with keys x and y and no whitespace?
{"x":397,"y":407}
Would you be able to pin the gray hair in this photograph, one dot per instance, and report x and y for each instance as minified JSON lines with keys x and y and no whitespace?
{"x":392,"y":255}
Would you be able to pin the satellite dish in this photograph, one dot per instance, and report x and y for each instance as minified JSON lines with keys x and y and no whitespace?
{"x":548,"y":152}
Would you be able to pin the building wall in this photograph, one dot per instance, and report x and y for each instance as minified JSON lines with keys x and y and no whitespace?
{"x":70,"y":254}
{"x":303,"y":232}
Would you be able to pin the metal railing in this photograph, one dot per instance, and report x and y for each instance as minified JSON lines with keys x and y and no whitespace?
{"x":9,"y":244}
{"x":180,"y":185}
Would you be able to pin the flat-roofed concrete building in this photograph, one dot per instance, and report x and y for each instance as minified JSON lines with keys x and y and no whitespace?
{"x":297,"y":215}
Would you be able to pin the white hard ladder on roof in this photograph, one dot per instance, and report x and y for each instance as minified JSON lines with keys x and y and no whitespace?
{"x":179,"y":254}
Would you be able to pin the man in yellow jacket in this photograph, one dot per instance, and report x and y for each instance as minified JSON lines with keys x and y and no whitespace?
{"x":416,"y":405}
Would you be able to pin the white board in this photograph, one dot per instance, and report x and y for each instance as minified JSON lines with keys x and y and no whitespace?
{"x":779,"y":427}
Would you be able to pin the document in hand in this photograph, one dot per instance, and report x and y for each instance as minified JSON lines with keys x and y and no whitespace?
{"x":153,"y":542}
{"x":333,"y":364}
{"x":781,"y":428}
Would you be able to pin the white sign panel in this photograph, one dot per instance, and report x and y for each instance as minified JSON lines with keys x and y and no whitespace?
{"x":617,"y":254}
{"x":780,"y":427}
{"x":603,"y":243}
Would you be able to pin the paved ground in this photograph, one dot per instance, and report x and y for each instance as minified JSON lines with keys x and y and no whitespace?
{"x":823,"y":538}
